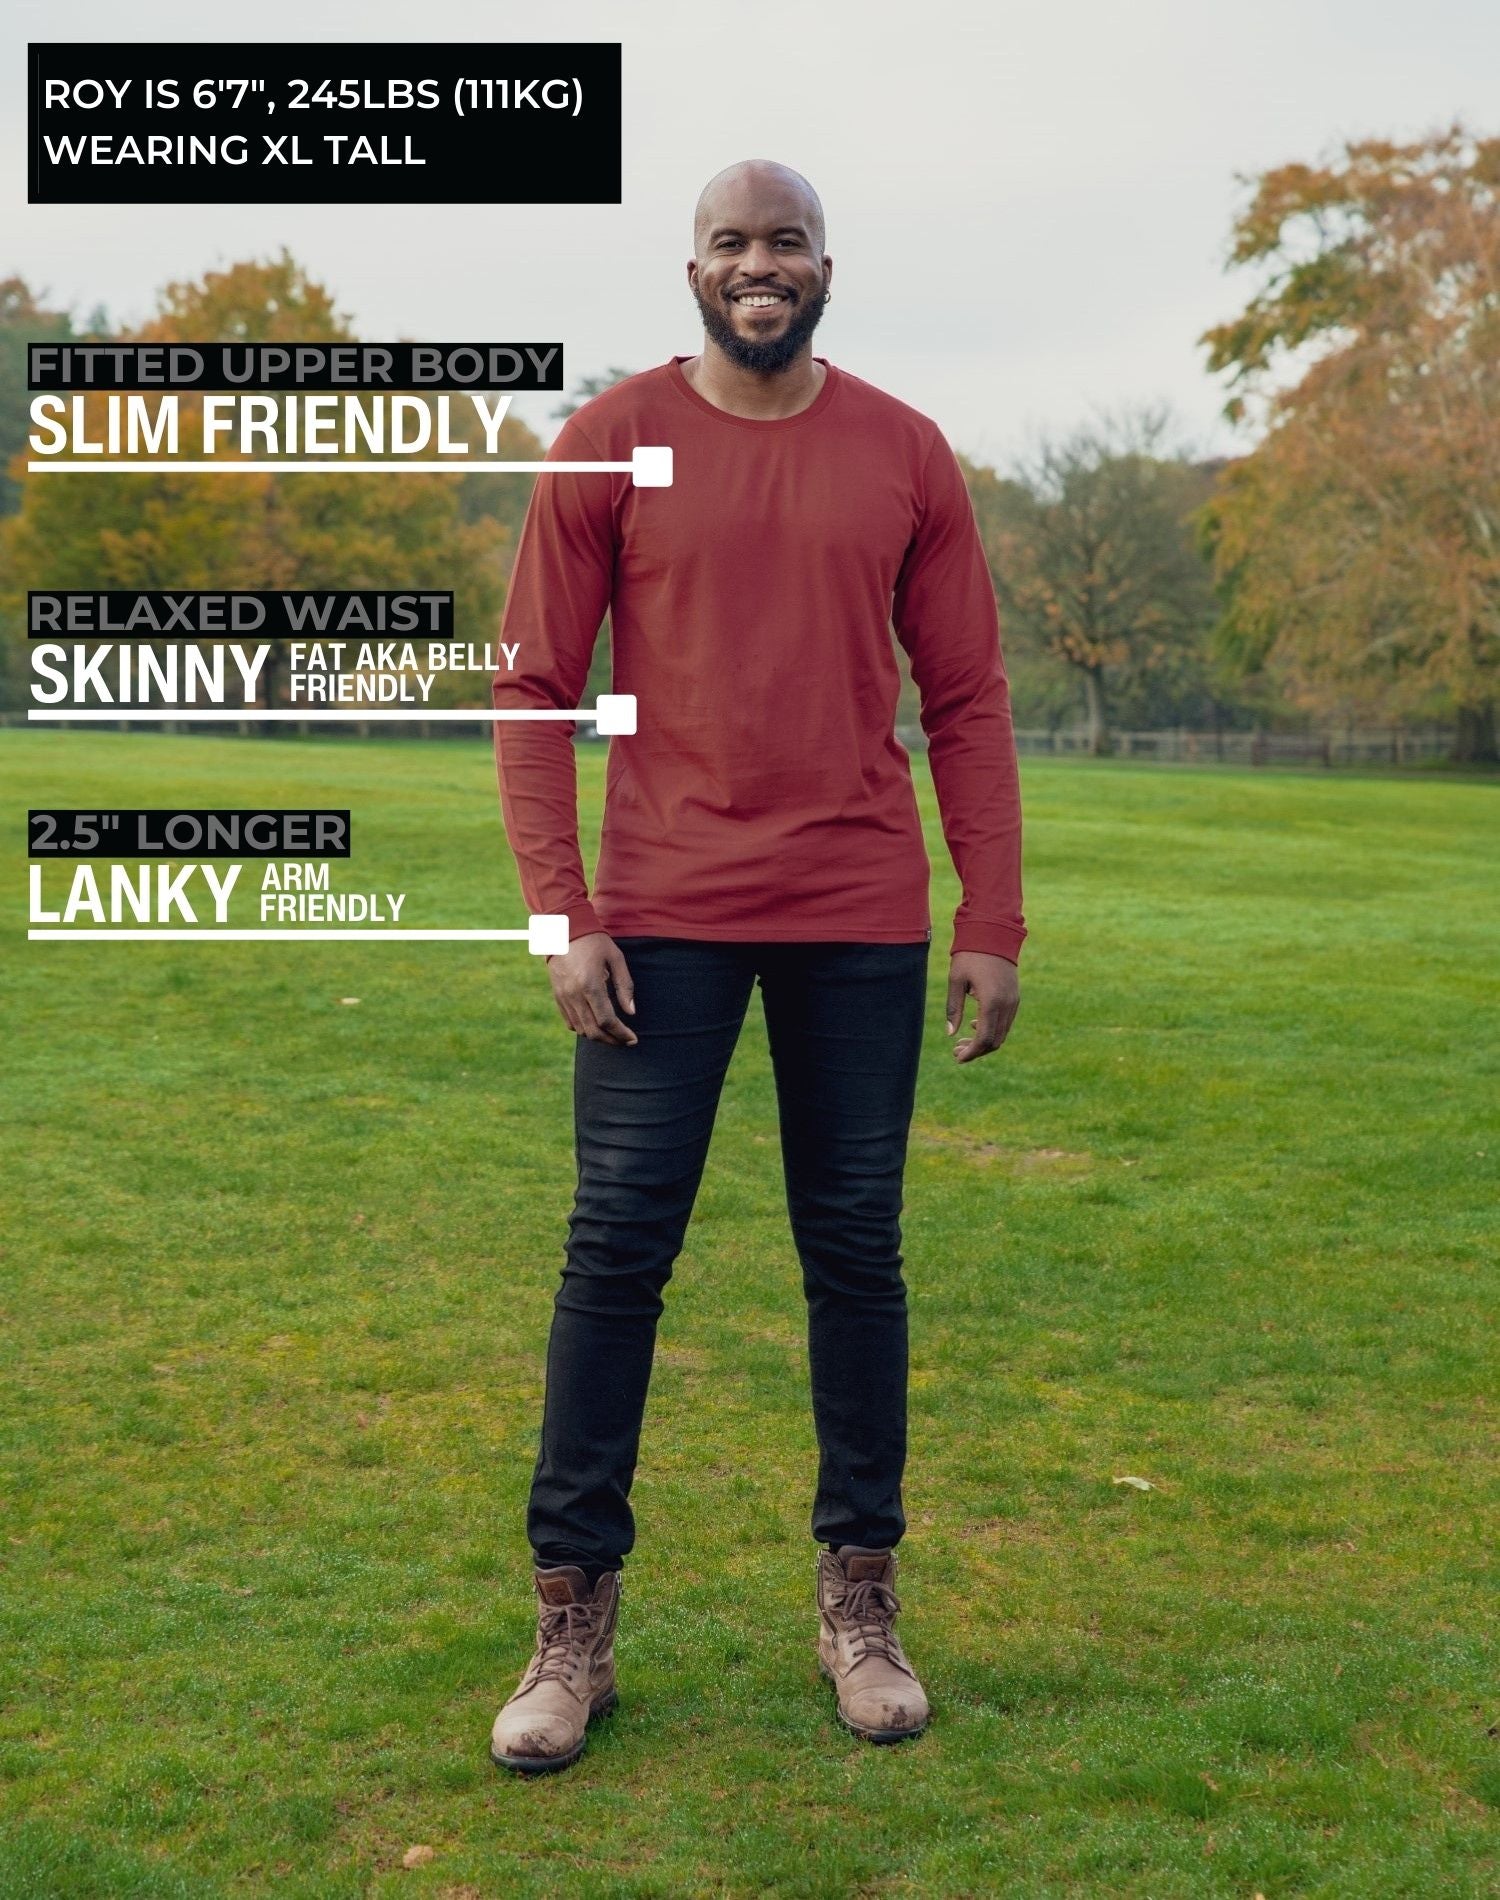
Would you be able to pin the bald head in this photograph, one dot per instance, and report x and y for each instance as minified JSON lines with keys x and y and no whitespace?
{"x":756,"y":191}
{"x":759,"y":273}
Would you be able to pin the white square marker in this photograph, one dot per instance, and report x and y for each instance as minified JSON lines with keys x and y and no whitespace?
{"x":615,"y":712}
{"x":546,"y":936}
{"x":651,"y":468}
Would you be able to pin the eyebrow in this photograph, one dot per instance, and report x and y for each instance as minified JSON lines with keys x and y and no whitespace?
{"x":735,"y":230}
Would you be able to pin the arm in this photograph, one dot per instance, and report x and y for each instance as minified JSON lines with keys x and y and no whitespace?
{"x":559,"y":594}
{"x":945,"y":617}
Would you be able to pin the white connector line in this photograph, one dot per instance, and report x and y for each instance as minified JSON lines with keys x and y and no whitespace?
{"x":301,"y":936}
{"x":615,"y":713}
{"x":547,"y":936}
{"x":647,"y":467}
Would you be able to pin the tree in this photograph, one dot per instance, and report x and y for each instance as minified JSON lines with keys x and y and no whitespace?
{"x":1093,"y":552}
{"x":174,"y":530}
{"x":586,"y":388}
{"x":1357,"y":546}
{"x":23,"y":320}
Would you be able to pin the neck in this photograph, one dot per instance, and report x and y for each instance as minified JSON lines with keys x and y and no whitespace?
{"x":762,"y":395}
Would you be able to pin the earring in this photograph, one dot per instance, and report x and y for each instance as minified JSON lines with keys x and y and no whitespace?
{"x":828,"y":296}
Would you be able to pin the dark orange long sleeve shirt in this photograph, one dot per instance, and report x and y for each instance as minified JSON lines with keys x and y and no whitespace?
{"x":764,"y":794}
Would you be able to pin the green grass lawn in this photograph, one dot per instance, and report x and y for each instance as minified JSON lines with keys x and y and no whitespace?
{"x":275,"y":1297}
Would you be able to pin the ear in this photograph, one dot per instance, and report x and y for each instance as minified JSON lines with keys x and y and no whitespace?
{"x":692,"y":273}
{"x":827,"y":271}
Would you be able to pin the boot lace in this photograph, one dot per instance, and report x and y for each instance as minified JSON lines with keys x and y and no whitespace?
{"x":871,"y":1606}
{"x":561,"y":1629}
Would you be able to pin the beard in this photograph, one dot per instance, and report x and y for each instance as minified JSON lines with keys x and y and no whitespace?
{"x":777,"y":353}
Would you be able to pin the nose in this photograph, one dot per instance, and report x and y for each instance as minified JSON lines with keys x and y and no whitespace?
{"x":759,"y":259}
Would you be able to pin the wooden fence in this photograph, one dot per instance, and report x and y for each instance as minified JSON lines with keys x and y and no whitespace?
{"x":1351,"y":745}
{"x":1348,"y":745}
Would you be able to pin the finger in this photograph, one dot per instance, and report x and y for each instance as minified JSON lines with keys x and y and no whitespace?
{"x":958,"y":989}
{"x":619,"y":972}
{"x":986,"y":1036}
{"x":587,"y":1026}
{"x":596,"y":1001}
{"x":564,"y":1007}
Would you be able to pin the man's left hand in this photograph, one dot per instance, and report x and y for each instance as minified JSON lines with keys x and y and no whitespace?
{"x":995,"y":985}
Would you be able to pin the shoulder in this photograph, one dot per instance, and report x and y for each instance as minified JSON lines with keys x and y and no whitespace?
{"x":615,"y":413}
{"x":881,"y":428}
{"x":864,"y":404}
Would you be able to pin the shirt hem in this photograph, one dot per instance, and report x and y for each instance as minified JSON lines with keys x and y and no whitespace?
{"x":779,"y":933}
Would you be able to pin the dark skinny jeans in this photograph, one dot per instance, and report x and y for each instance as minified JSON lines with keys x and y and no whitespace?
{"x":844,"y":1022}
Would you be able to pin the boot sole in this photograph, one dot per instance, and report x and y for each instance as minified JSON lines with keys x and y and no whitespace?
{"x":550,"y":1764}
{"x":880,"y":1736}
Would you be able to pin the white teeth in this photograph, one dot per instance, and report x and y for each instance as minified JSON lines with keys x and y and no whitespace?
{"x":758,"y":303}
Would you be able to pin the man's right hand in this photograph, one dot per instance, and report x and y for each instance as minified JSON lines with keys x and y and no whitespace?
{"x":581,"y":980}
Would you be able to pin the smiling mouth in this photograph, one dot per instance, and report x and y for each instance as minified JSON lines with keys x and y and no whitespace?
{"x":759,"y":299}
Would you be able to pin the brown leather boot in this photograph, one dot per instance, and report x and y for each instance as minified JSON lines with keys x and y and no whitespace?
{"x":569,"y":1680}
{"x":858,"y":1650}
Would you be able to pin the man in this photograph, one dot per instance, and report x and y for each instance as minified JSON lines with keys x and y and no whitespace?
{"x":760,"y":827}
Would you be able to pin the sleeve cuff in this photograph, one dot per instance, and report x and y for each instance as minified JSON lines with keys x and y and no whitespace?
{"x":583,"y":920}
{"x":991,"y":940}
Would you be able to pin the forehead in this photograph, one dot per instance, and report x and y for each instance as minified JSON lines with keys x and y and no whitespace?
{"x":757,"y":204}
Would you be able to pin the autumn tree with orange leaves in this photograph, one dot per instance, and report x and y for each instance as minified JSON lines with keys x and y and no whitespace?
{"x":1357,"y":548}
{"x":170,"y":529}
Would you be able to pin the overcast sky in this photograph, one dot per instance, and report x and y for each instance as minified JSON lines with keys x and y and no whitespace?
{"x":1028,"y":207}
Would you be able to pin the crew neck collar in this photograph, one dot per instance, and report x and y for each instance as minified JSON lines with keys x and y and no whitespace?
{"x":818,"y":404}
